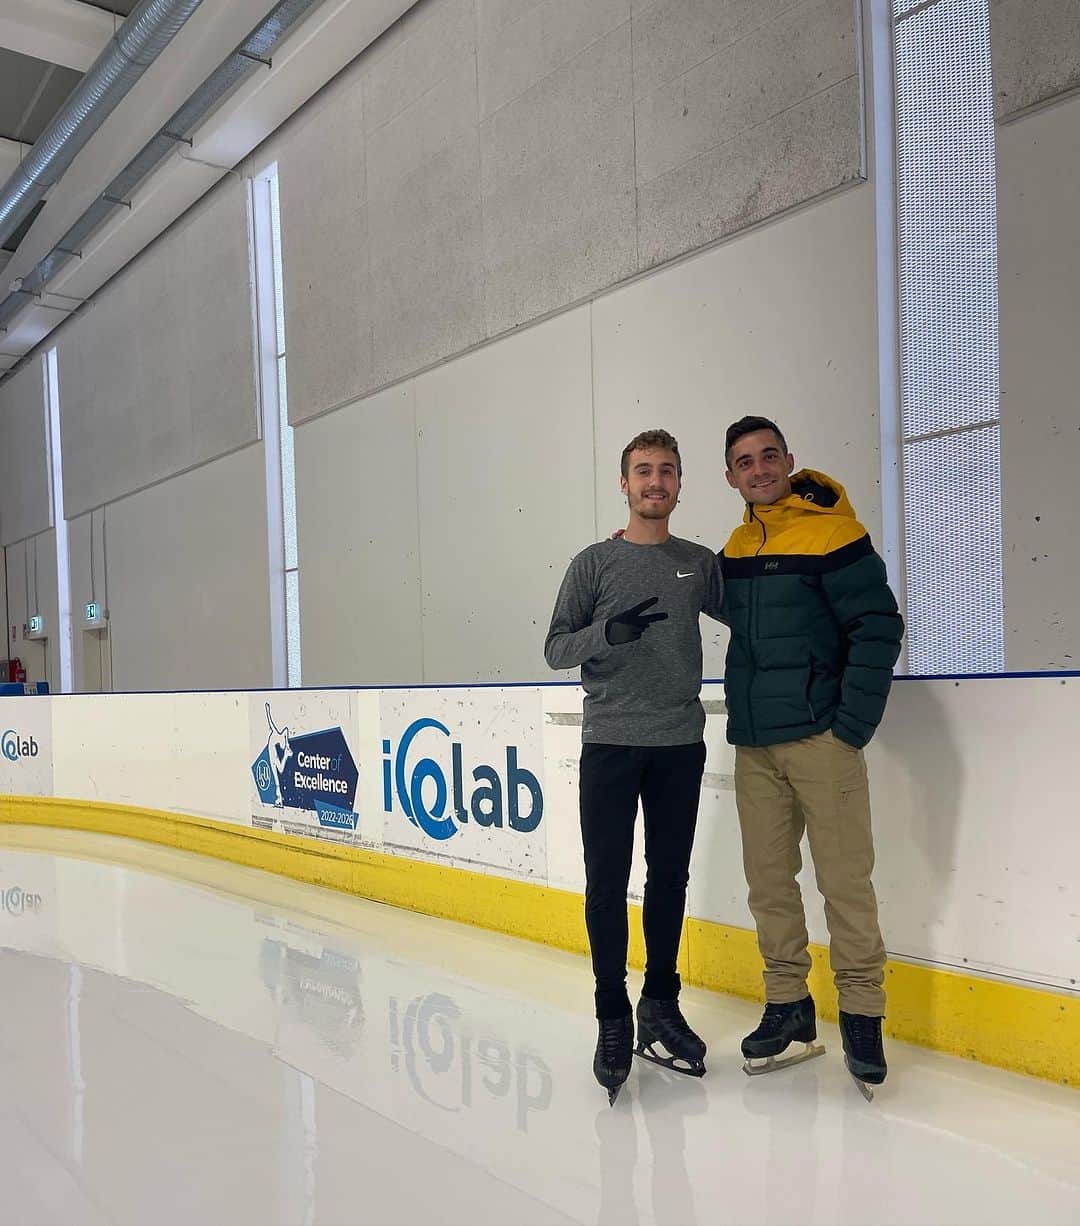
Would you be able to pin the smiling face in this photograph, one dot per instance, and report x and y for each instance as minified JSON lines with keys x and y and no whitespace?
{"x":651,"y":484}
{"x":759,"y":468}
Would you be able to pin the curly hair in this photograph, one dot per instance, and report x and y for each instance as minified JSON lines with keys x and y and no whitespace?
{"x":646,"y":441}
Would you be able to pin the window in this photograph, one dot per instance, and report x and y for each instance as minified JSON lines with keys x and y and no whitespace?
{"x":949,"y":388}
{"x":56,"y":496}
{"x":277,"y":433}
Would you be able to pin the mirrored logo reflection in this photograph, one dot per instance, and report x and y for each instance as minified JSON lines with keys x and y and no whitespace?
{"x":451,"y":1066}
{"x":16,"y":901}
{"x":321,"y":990}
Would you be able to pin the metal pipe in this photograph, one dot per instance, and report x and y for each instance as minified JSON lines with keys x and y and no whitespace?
{"x":146,"y":33}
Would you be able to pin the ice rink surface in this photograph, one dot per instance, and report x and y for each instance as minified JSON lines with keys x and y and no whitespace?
{"x":188,"y":1042}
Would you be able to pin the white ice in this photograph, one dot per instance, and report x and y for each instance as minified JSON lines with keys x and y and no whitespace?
{"x":184,"y":1041}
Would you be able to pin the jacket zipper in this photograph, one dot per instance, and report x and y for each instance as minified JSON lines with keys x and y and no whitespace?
{"x":764,"y":531}
{"x":753,"y":619}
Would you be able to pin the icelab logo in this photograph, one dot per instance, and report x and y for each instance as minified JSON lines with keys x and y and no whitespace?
{"x":15,"y":746}
{"x":494,"y":802}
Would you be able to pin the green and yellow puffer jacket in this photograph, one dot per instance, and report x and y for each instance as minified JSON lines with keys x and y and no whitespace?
{"x":815,"y":630}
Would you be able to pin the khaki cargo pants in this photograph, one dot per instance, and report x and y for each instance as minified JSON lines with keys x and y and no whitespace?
{"x":819,"y":784}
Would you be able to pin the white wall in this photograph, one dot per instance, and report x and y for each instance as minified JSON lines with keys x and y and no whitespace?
{"x":472,"y":171}
{"x":188,"y":592}
{"x":1039,"y":260}
{"x":91,"y":652}
{"x":780,"y":322}
{"x":32,"y":588}
{"x":25,"y":485}
{"x":358,"y":543}
{"x":433,"y":528}
{"x":437,"y":518}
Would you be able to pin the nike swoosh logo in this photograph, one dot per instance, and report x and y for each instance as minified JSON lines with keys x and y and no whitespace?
{"x":680,"y":575}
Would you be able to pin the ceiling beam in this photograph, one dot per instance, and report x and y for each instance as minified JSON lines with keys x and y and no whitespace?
{"x":11,"y":154}
{"x":65,"y":32}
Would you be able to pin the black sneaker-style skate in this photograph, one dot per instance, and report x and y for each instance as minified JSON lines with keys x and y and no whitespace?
{"x":661,"y":1022}
{"x":614,"y":1053}
{"x":780,"y":1026}
{"x":863,"y":1052}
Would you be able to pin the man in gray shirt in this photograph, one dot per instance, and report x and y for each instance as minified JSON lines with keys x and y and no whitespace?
{"x":628,"y":614}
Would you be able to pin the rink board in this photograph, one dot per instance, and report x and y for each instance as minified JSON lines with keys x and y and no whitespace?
{"x":462,"y":802}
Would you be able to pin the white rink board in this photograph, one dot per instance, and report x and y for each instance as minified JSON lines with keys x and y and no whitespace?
{"x":26,"y":760}
{"x":975,"y":810}
{"x":156,"y":751}
{"x":488,"y":816}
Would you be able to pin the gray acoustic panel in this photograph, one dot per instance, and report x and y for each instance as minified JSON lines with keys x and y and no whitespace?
{"x":523,"y":43}
{"x":25,"y":482}
{"x":322,"y":176}
{"x":780,"y":66}
{"x":798,"y":155}
{"x":1035,"y":52}
{"x":158,"y":374}
{"x":520,"y":156}
{"x":430,"y":297}
{"x":671,"y":37}
{"x":423,"y":164}
{"x":426,"y":225}
{"x":558,"y":178}
{"x":559,"y":110}
{"x":437,"y":37}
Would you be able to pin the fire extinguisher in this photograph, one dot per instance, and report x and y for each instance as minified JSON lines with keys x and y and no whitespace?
{"x":16,"y":672}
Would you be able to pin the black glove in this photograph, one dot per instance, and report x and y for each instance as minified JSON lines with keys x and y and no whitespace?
{"x":631,"y":624}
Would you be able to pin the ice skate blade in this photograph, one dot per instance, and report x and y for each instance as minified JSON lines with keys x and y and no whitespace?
{"x":865,"y":1089}
{"x":674,"y":1064}
{"x":772,"y":1064}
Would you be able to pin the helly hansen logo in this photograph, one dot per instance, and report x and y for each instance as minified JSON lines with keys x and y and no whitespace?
{"x":774,"y":565}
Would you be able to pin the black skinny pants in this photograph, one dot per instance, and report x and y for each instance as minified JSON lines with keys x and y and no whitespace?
{"x":667,"y":778}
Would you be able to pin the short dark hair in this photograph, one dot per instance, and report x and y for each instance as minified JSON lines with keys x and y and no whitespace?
{"x":750,"y":425}
{"x":646,"y":441}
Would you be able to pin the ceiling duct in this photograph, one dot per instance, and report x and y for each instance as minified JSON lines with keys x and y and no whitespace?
{"x":251,"y":56}
{"x":149,"y":29}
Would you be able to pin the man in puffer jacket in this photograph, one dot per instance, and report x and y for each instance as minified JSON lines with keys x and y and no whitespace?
{"x":815,"y":633}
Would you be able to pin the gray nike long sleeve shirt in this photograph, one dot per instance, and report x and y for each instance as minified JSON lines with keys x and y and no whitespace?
{"x":646,"y":692}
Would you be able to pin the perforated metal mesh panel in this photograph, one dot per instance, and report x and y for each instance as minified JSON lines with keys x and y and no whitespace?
{"x":949,"y":335}
{"x":952,"y":497}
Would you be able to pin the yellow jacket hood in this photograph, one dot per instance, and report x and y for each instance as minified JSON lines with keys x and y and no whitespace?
{"x":815,"y":518}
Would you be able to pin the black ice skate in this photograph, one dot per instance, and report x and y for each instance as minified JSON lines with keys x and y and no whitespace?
{"x":780,"y":1026}
{"x":863,"y":1052}
{"x":614,"y":1054}
{"x":661,"y":1022}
